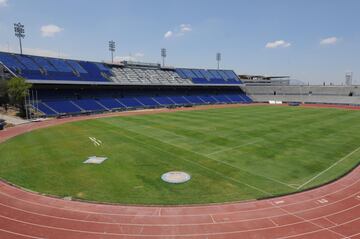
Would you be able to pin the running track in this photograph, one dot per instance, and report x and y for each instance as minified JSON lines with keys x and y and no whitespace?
{"x":331,"y":211}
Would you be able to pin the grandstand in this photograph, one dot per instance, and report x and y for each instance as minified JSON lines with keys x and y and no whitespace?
{"x":69,"y":87}
{"x":347,"y":95}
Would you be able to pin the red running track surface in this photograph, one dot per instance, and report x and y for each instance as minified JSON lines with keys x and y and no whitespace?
{"x":331,"y":211}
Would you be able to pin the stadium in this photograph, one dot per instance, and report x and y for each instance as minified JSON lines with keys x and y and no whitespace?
{"x":129,"y":149}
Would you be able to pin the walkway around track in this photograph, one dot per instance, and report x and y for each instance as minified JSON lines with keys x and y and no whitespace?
{"x":331,"y":211}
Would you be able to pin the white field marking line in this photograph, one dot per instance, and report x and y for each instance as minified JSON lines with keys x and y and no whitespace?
{"x":333,"y":165}
{"x":216,"y":160}
{"x":198,"y":234}
{"x":19,"y":234}
{"x":190,"y":161}
{"x":216,"y":152}
{"x":226,"y":163}
{"x":193,"y":162}
{"x":96,"y":142}
{"x":241,"y":169}
{"x":184,"y":224}
{"x":145,"y":215}
{"x":232,"y":148}
{"x":309,"y":221}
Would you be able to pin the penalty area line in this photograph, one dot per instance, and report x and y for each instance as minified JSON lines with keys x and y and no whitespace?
{"x":331,"y":166}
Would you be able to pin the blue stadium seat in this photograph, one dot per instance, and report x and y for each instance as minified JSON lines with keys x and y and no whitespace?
{"x":208,"y":99}
{"x":236,"y":98}
{"x":63,"y":106}
{"x":111,"y":103}
{"x":222,"y":99}
{"x":130,"y":102}
{"x":44,"y":109}
{"x":179,"y":100}
{"x":163,"y":100}
{"x":147,"y":101}
{"x":89,"y":105}
{"x":194,"y":99}
{"x":94,"y":73}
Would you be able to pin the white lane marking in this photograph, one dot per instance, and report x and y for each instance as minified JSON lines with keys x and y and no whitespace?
{"x":193,"y":234}
{"x":224,"y":220}
{"x":279,"y":202}
{"x":333,"y":165}
{"x":20,"y":234}
{"x":322,"y":201}
{"x":311,"y":221}
{"x":232,"y":212}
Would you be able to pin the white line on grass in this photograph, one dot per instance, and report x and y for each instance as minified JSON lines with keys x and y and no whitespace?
{"x":190,"y":161}
{"x":232,"y":148}
{"x":333,"y":165}
{"x":217,"y":160}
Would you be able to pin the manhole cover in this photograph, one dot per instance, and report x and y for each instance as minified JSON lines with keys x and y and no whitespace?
{"x":175,"y":177}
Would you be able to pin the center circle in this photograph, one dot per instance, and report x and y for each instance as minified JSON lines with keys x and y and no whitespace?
{"x":175,"y":177}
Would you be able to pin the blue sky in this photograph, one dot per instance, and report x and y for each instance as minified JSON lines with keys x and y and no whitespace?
{"x":311,"y":40}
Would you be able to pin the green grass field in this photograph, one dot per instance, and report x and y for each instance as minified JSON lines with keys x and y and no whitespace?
{"x":232,"y":154}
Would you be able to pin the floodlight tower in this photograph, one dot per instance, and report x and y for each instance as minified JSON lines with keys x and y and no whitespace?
{"x":19,"y":33}
{"x":218,"y":59}
{"x":112,"y":49}
{"x":348,"y":78}
{"x":163,"y":55}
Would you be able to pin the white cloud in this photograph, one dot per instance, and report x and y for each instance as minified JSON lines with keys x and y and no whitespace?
{"x":178,"y":31}
{"x":168,"y":34}
{"x":50,"y":30}
{"x":33,"y":51}
{"x":329,"y":41}
{"x":278,"y":43}
{"x":3,"y":3}
{"x":185,"y":28}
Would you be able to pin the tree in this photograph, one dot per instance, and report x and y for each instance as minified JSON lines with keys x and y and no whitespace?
{"x":4,"y":99}
{"x":18,"y":90}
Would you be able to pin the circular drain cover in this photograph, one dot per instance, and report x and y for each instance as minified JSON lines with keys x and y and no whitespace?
{"x":175,"y":177}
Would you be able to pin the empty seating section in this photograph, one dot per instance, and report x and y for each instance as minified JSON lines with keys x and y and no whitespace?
{"x":200,"y":76}
{"x":163,"y":100}
{"x":179,"y":100}
{"x":89,"y":105}
{"x":147,"y":101}
{"x":130,"y":102}
{"x":63,"y":106}
{"x":54,"y":69}
{"x":11,"y":62}
{"x":194,"y":99}
{"x":147,"y":76}
{"x":93,"y":72}
{"x":46,"y":68}
{"x":222,"y":99}
{"x":76,"y":66}
{"x":111,"y":103}
{"x":65,"y":101}
{"x":131,"y":93}
{"x":45,"y":109}
{"x":208,"y":99}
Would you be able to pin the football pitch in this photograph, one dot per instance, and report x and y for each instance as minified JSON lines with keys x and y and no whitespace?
{"x":232,"y":154}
